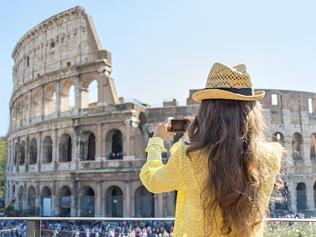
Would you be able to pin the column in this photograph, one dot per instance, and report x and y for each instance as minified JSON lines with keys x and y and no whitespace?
{"x":38,"y":203}
{"x":98,"y":199}
{"x":99,"y":145}
{"x":310,"y":194}
{"x":55,"y":157}
{"x":127,"y":204}
{"x":55,"y":201}
{"x":42,"y":103}
{"x":306,"y":151}
{"x":101,"y":89}
{"x":27,"y":144}
{"x":292,"y":188}
{"x":39,"y":151}
{"x":30,"y":107}
{"x":58,"y":99}
{"x":76,"y":143}
{"x":78,"y":94}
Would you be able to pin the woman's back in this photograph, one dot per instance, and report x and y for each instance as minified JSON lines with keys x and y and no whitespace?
{"x":226,"y":172}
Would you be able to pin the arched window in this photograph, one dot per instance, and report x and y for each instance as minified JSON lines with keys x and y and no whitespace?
{"x":89,"y":95}
{"x":87,"y":146}
{"x":67,"y":95}
{"x":46,"y":197}
{"x":50,"y":99}
{"x":65,"y":201}
{"x":21,"y":200}
{"x":33,"y":152}
{"x":297,"y":147}
{"x":65,"y":148}
{"x":31,"y":197}
{"x":114,"y":202}
{"x":47,"y":150}
{"x":301,"y":197}
{"x":16,"y":153}
{"x":87,"y":202}
{"x":114,"y":144}
{"x":313,"y":147}
{"x":144,"y":203}
{"x":22,"y":153}
{"x":278,"y":137}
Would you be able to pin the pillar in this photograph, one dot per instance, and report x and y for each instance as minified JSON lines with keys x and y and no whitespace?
{"x":58,"y":99}
{"x":78,"y":94}
{"x":30,"y":107}
{"x":42,"y":96}
{"x":99,"y":143}
{"x":310,"y":194}
{"x":39,"y":151}
{"x":306,"y":151}
{"x":55,"y":157}
{"x":98,"y":199}
{"x":293,"y":194}
{"x":127,"y":204}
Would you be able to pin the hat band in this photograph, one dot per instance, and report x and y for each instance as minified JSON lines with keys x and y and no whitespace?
{"x":243,"y":91}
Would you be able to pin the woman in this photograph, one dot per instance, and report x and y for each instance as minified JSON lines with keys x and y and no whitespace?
{"x":226,"y":172}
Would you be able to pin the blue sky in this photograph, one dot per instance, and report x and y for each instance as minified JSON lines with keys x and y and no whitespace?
{"x":162,"y":48}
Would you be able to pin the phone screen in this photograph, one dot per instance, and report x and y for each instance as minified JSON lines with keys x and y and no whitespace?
{"x":178,"y":125}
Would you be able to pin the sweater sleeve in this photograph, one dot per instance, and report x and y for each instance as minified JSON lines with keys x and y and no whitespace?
{"x":158,"y":177}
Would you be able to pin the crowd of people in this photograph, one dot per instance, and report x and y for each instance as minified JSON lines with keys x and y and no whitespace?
{"x":102,"y":228}
{"x":91,"y":229}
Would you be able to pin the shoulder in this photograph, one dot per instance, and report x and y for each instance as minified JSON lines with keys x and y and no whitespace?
{"x":274,"y":153}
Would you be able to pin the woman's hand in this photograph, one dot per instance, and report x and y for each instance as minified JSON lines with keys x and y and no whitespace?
{"x":161,"y":130}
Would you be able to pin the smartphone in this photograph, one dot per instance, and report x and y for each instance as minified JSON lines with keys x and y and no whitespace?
{"x":178,"y":125}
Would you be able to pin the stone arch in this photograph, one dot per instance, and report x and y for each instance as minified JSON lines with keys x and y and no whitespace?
{"x":46,"y":201}
{"x":301,"y":198}
{"x":31,"y":198}
{"x":36,"y":102}
{"x":90,"y":93}
{"x":26,"y":107}
{"x":144,"y":203}
{"x":87,"y":146}
{"x":87,"y":201}
{"x":22,"y":153}
{"x":297,"y":147}
{"x":16,"y":153}
{"x":65,"y":148}
{"x":47,"y":150}
{"x":114,"y":144}
{"x":67,"y":95}
{"x":313,"y":147}
{"x":21,"y":200}
{"x":65,"y":201}
{"x":33,"y":152}
{"x":50,"y":99}
{"x":114,"y":201}
{"x":278,"y":137}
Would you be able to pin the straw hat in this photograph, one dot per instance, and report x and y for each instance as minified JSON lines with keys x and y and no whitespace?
{"x":228,"y":83}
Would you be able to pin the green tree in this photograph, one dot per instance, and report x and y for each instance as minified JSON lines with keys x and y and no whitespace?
{"x":3,"y":159}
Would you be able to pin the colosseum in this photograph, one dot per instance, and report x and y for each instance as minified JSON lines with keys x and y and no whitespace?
{"x":71,"y":153}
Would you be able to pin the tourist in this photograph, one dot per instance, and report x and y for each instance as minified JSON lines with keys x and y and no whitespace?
{"x":224,"y":171}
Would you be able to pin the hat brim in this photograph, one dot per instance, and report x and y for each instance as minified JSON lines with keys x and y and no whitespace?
{"x":204,"y":94}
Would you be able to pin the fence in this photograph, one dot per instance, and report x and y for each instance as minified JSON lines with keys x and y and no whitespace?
{"x":110,"y":226}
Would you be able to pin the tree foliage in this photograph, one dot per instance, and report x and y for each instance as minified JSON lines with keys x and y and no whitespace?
{"x":3,"y":159}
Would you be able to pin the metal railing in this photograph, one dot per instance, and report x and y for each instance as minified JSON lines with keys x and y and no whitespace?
{"x":35,"y":226}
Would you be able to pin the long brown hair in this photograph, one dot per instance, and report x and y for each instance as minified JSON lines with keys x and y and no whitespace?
{"x":230,"y":132}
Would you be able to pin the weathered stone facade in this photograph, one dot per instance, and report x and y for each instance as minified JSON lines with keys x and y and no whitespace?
{"x":69,"y":155}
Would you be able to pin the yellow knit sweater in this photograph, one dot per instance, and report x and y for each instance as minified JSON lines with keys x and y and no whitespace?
{"x":187,"y":177}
